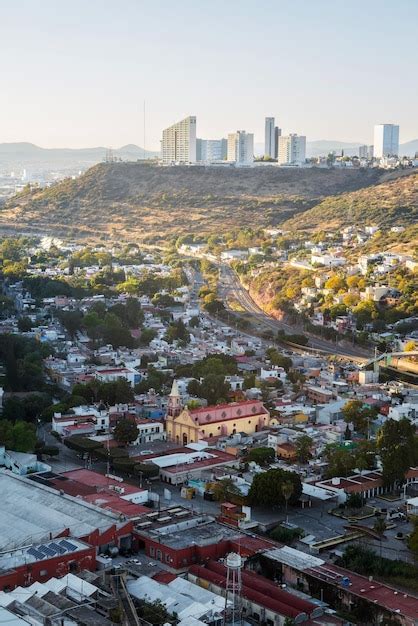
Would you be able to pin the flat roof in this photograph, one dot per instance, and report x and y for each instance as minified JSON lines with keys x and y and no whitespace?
{"x":393,"y":600}
{"x":294,"y":558}
{"x":182,"y":532}
{"x":31,"y":511}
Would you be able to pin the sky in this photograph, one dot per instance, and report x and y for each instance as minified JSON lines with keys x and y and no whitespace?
{"x":76,"y":73}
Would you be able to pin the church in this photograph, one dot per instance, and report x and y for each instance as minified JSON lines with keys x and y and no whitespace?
{"x":185,"y":425}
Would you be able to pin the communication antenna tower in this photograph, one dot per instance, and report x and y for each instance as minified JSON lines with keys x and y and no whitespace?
{"x":144,"y":138}
{"x":110,"y":157}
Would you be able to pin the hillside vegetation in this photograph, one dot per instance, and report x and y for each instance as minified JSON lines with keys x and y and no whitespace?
{"x":143,"y":201}
{"x":393,"y":202}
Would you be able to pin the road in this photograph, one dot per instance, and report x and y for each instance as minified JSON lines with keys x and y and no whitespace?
{"x":231,"y":288}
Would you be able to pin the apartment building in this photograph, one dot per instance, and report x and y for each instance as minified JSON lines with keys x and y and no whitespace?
{"x":292,"y":149}
{"x":178,"y":145}
{"x":241,"y":147}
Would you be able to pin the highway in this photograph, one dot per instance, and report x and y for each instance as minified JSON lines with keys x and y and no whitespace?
{"x":230,"y":288}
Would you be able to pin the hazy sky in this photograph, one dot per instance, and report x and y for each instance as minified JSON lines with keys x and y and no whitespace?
{"x":75,"y":73}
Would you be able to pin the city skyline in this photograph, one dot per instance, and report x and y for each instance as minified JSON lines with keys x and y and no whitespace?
{"x":84,"y":82}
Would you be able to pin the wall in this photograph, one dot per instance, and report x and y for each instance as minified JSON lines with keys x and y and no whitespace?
{"x":40,"y":571}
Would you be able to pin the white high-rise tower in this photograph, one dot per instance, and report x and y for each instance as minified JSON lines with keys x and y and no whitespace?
{"x":386,"y":140}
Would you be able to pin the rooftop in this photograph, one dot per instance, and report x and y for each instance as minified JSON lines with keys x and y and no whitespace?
{"x":179,"y":528}
{"x":387,"y":597}
{"x":40,"y":552}
{"x":31,"y":511}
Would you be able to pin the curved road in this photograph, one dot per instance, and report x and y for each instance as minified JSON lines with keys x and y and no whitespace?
{"x":231,"y":287}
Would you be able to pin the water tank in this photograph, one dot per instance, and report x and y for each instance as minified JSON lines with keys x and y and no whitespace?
{"x":233,"y":561}
{"x":335,"y":480}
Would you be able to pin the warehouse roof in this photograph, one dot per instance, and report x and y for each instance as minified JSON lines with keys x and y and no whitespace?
{"x":30,"y":512}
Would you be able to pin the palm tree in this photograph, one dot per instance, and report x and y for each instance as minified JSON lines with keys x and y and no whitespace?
{"x":287,"y":491}
{"x":379,"y":528}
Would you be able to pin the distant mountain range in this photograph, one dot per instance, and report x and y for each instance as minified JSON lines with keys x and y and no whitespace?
{"x":29,"y":155}
{"x":323,"y":146}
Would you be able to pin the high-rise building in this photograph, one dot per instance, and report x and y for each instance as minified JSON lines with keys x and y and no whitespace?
{"x":277,"y":134}
{"x":386,"y":140}
{"x":210,"y":150}
{"x":292,"y":149}
{"x":269,"y":137}
{"x":179,"y":142}
{"x":363,"y":152}
{"x":241,"y":147}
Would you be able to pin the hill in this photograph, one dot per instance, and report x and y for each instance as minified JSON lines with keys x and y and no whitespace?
{"x":392,"y":202}
{"x":31,"y":156}
{"x":137,"y":200}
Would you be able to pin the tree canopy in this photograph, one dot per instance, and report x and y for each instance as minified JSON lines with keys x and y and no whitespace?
{"x":267,"y":488}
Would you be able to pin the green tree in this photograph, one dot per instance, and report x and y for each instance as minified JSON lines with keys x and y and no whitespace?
{"x":177,"y":331}
{"x":126,"y":431}
{"x":24,"y":324}
{"x":226,"y":490}
{"x":72,"y":321}
{"x":397,"y":447}
{"x":214,"y":389}
{"x":194,"y":321}
{"x":92,"y":323}
{"x":266,"y":488}
{"x":354,"y":501}
{"x":262,"y":455}
{"x":287,"y":491}
{"x":146,"y":336}
{"x":365,"y":312}
{"x":341,"y":461}
{"x":304,"y":445}
{"x":24,"y":437}
{"x":361,"y":416}
{"x":6,"y":434}
{"x":278,"y":359}
{"x":194,"y":388}
{"x":413,"y":539}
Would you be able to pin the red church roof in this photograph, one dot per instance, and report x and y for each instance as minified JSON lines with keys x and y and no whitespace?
{"x":231,"y":411}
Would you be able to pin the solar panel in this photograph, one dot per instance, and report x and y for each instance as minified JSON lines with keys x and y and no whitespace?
{"x":59,"y":549}
{"x":46,"y":550}
{"x":68,"y":546}
{"x":35,"y":553}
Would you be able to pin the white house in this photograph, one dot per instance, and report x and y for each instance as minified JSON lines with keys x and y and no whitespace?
{"x":109,"y":375}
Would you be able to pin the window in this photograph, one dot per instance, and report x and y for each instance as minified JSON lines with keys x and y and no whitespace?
{"x":239,"y":412}
{"x":223,"y":414}
{"x":151,"y":551}
{"x":254,"y":409}
{"x":208,"y":417}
